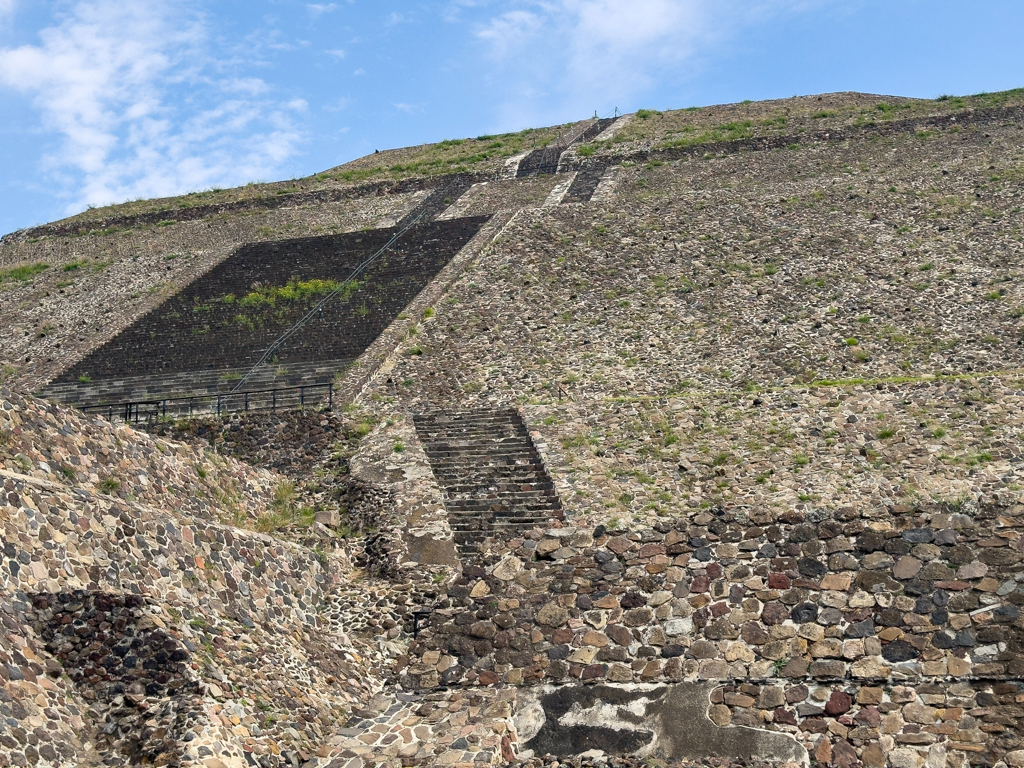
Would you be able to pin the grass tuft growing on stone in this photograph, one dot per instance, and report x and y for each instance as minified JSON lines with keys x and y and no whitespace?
{"x":22,"y":273}
{"x":284,"y":511}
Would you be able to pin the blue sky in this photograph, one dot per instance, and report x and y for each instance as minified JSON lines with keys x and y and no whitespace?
{"x":108,"y":100}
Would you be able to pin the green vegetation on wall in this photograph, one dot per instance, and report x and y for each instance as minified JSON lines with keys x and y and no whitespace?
{"x":276,"y":301}
{"x":22,"y":273}
{"x":294,"y":290}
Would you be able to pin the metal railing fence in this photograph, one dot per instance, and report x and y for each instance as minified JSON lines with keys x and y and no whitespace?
{"x":218,"y":403}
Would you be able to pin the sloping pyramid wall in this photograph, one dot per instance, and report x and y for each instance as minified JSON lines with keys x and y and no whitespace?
{"x":210,"y":326}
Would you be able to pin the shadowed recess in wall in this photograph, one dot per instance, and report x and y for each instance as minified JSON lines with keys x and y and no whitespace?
{"x":545,"y":160}
{"x":137,"y":677}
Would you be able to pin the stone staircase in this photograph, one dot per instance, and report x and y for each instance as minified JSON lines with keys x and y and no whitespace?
{"x":585,"y":184}
{"x":544,"y":161}
{"x":438,"y":201}
{"x":202,"y":340}
{"x":490,"y":473}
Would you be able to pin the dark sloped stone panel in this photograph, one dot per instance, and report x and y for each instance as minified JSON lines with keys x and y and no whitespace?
{"x":208,"y":325}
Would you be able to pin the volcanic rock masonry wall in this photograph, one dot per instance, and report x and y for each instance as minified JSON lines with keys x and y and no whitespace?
{"x":752,"y":374}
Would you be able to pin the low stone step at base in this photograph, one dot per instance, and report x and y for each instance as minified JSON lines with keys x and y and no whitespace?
{"x":200,"y":384}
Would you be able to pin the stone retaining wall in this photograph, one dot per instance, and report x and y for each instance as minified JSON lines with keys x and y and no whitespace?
{"x":640,"y":152}
{"x":136,"y":676}
{"x":48,"y":725}
{"x":263,"y":621}
{"x":835,"y":562}
{"x":824,"y":624}
{"x":192,"y":213}
{"x":62,"y":448}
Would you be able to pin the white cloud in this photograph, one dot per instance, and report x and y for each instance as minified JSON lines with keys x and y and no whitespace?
{"x":143,"y":107}
{"x":453,"y":11}
{"x":510,"y":30}
{"x":337,"y":53}
{"x":338,"y":105}
{"x":577,"y":55}
{"x":6,"y":7}
{"x":407,"y":108}
{"x":318,"y":9}
{"x":253,"y":86}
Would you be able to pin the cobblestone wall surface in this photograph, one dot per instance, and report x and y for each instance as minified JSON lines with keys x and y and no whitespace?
{"x":43,"y":721}
{"x":693,"y":341}
{"x":264,"y":623}
{"x":61,"y":447}
{"x":776,"y":381}
{"x":132,"y":672}
{"x":863,"y":637}
{"x":811,"y":458}
{"x":326,"y":198}
{"x":809,"y":134}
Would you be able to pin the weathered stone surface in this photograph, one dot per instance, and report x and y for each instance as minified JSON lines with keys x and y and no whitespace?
{"x":619,"y":634}
{"x":165,"y":553}
{"x":569,"y":720}
{"x":906,"y":567}
{"x":508,"y":569}
{"x":552,"y":615}
{"x":838,"y":703}
{"x":426,"y":550}
{"x":728,"y":516}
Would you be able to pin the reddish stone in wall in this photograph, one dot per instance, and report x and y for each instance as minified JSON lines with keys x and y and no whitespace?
{"x":838,"y":703}
{"x":774,"y":613}
{"x":784,"y":716}
{"x":594,"y":671}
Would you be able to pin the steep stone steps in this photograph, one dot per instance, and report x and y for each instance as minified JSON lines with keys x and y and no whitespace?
{"x":486,"y":497}
{"x":500,"y":519}
{"x":469,"y":420}
{"x":585,"y":184}
{"x":499,"y":510}
{"x":220,"y":321}
{"x":498,"y":457}
{"x":596,"y":129}
{"x":516,"y":483}
{"x":540,"y":162}
{"x":505,"y":485}
{"x":437,"y":201}
{"x":488,"y":433}
{"x":544,"y":161}
{"x":492,"y":478}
